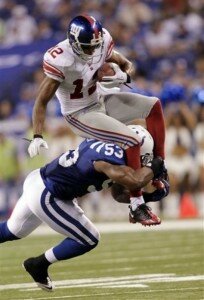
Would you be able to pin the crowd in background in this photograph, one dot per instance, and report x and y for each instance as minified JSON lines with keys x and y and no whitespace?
{"x":164,"y":39}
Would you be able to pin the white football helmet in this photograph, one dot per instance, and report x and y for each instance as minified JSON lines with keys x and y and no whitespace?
{"x":147,"y":144}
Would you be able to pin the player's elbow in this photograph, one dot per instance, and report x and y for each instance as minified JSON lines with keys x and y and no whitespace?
{"x":120,"y":193}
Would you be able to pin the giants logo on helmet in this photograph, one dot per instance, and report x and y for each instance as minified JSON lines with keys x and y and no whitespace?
{"x":75,"y":30}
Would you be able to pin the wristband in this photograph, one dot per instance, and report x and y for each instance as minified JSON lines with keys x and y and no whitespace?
{"x":37,"y":136}
{"x":128,"y":78}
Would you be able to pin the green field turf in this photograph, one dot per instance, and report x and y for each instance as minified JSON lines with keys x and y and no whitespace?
{"x":140,"y":265}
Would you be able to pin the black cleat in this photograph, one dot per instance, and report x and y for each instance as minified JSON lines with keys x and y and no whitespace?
{"x":143,"y":215}
{"x":39,"y":274}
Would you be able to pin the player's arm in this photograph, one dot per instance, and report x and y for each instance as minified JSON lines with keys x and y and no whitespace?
{"x":161,"y":190}
{"x":46,"y":91}
{"x":123,"y":70}
{"x":125,"y":65}
{"x":125,"y":175}
{"x":120,"y":193}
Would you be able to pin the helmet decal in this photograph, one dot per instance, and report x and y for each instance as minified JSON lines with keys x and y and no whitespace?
{"x":75,"y":30}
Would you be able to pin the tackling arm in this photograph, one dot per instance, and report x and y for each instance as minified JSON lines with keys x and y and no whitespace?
{"x":125,"y":175}
{"x":46,"y":91}
{"x":122,"y":194}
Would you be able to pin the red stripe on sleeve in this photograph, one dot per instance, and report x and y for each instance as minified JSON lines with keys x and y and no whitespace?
{"x":110,"y":48}
{"x":52,"y":70}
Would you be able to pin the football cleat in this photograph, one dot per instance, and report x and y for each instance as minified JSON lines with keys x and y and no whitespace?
{"x":143,"y":215}
{"x":39,"y":274}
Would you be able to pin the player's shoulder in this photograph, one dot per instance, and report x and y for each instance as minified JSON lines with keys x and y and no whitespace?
{"x":106,"y":35}
{"x":99,"y":150}
{"x":60,"y":55}
{"x":108,"y":43}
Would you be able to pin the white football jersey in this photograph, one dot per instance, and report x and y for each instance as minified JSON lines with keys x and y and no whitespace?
{"x":77,"y":87}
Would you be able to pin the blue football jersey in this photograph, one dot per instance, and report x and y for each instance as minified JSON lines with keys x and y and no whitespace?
{"x":72,"y":174}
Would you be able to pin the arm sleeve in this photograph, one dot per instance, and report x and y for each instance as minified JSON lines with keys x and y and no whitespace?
{"x":109,"y":44}
{"x":52,"y":69}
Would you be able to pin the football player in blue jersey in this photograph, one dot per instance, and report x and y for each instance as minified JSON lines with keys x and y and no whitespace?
{"x":50,"y":193}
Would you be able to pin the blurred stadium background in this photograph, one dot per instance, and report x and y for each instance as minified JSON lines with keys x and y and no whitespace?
{"x":165,"y":40}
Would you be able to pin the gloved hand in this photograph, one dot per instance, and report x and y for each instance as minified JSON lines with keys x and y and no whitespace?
{"x":36,"y":144}
{"x":162,"y":190}
{"x":116,"y":80}
{"x":157,"y":166}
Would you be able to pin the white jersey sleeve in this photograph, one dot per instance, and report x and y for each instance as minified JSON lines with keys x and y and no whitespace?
{"x":54,"y":63}
{"x":108,"y":43}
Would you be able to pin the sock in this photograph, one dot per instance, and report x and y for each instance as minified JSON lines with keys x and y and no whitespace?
{"x":136,"y":201}
{"x":156,"y":127}
{"x":133,"y":161}
{"x":6,"y":234}
{"x":68,"y":248}
{"x":42,"y":261}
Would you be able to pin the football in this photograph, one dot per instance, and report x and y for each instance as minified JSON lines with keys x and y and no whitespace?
{"x":105,"y":70}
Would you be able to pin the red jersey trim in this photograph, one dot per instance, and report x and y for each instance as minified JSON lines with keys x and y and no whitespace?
{"x":52,"y":70}
{"x":110,"y":49}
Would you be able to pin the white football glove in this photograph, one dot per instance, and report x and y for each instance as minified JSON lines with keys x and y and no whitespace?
{"x":116,"y":80}
{"x":35,"y":145}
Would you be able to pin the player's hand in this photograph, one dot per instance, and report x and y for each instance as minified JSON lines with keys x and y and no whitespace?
{"x":119,"y":78}
{"x":162,"y":187}
{"x":35,"y":145}
{"x":157,"y":166}
{"x":162,"y":190}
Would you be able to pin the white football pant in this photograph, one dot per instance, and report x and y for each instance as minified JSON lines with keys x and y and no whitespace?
{"x":37,"y":205}
{"x":105,"y":120}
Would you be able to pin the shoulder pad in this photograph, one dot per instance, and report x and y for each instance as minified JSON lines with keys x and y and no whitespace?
{"x":108,"y":43}
{"x":60,"y":55}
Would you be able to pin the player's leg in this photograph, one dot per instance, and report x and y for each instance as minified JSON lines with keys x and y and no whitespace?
{"x":22,"y":220}
{"x":95,"y":123}
{"x":20,"y":224}
{"x":67,"y":219}
{"x":132,"y":106}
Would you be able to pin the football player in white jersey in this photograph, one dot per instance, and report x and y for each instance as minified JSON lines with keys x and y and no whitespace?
{"x":70,"y":67}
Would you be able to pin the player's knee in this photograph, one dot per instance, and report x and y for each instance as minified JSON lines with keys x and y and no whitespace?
{"x":97,"y":236}
{"x":6,"y":234}
{"x":95,"y":244}
{"x":95,"y":240}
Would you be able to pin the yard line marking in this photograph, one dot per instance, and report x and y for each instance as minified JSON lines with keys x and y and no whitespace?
{"x":110,"y":294}
{"x":110,"y":282}
{"x":132,"y":281}
{"x":77,"y":282}
{"x":116,"y":285}
{"x":169,"y":290}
